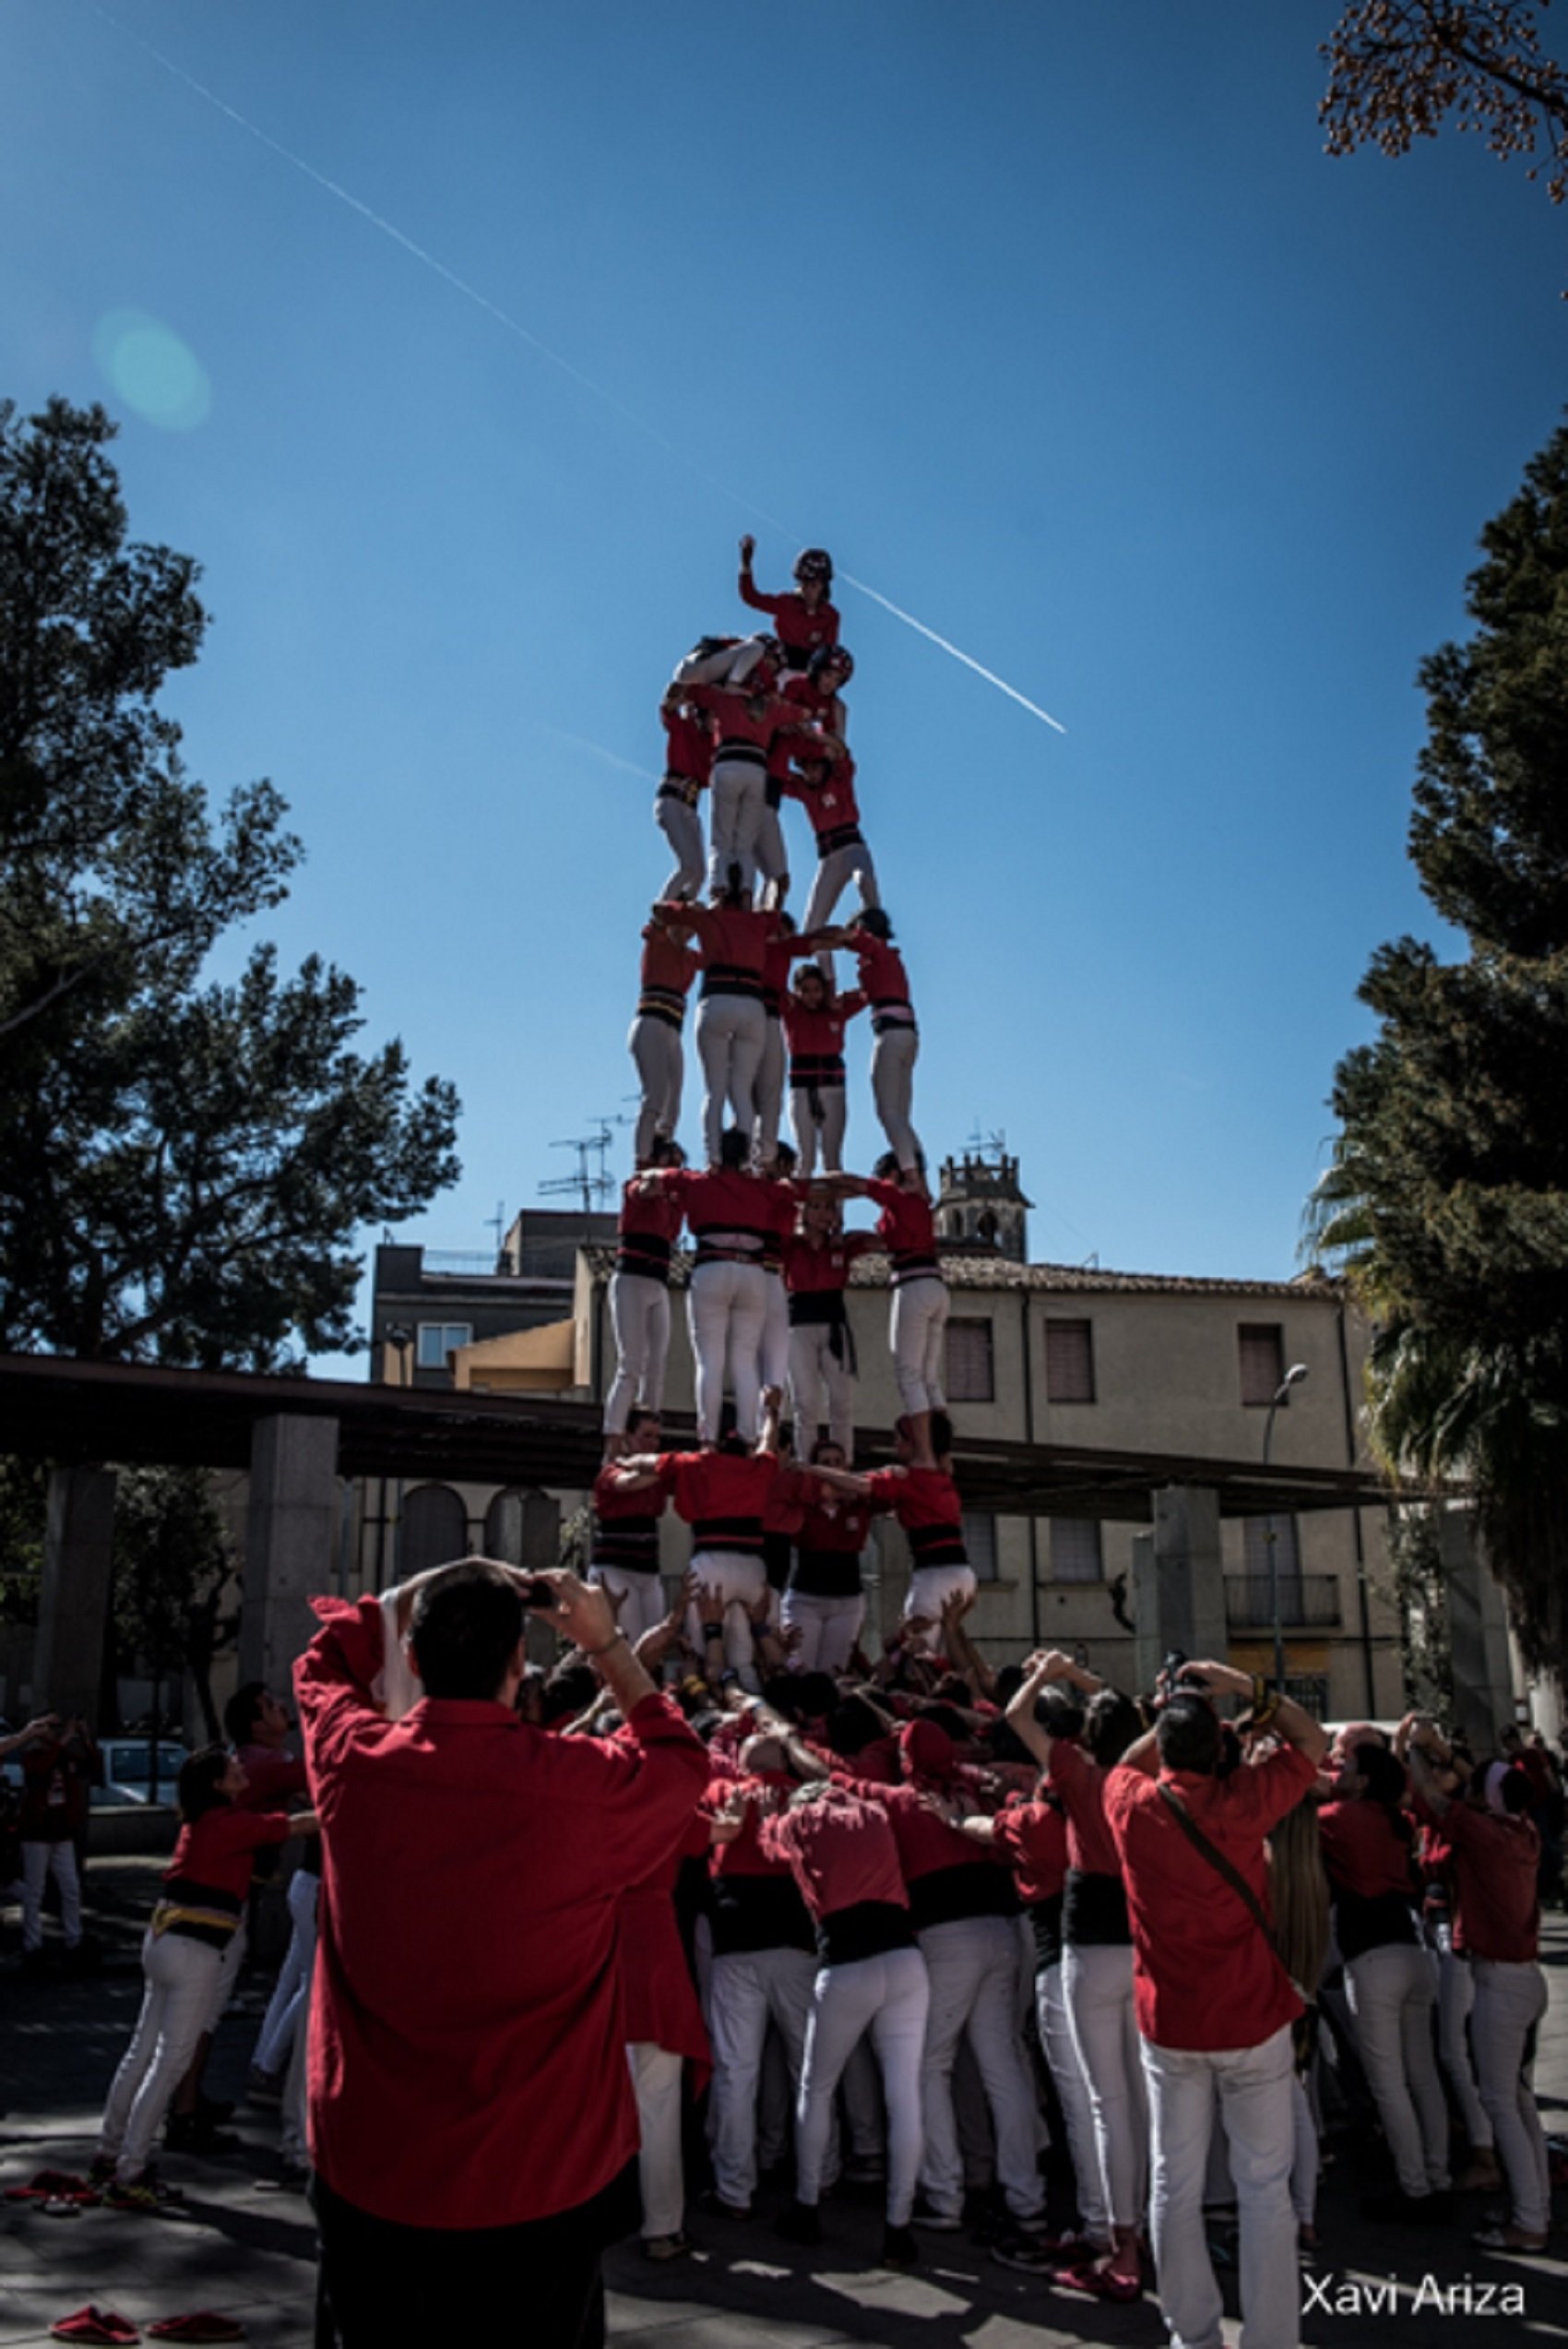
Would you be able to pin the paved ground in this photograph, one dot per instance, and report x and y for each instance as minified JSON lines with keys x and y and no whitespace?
{"x":250,"y":2253}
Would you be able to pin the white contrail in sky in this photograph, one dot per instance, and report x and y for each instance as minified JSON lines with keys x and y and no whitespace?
{"x":536,"y":343}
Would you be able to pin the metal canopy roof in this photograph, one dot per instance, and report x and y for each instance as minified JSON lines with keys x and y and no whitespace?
{"x":64,"y":1410}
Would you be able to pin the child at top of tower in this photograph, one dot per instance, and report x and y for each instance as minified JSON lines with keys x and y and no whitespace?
{"x":816,"y":688}
{"x":805,"y":620}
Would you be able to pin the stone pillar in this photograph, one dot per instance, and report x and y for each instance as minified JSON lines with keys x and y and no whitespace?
{"x":1177,"y":1582}
{"x":524,"y":1529}
{"x":1478,"y":1631}
{"x":79,"y":1559}
{"x":290,"y":1542}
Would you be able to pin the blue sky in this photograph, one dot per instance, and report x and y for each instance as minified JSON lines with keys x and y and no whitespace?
{"x":1055,"y":323}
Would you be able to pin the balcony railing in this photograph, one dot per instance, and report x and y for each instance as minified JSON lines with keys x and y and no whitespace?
{"x":1307,"y":1601}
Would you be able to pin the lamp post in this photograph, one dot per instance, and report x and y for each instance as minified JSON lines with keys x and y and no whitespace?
{"x":1292,"y":1378}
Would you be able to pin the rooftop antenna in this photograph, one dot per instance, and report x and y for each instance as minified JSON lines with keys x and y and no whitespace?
{"x":497,"y":1224}
{"x":592,"y":1181}
{"x":994,"y":1143}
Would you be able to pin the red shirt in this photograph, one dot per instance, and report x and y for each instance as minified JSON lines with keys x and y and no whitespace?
{"x":824,"y":710}
{"x":881,"y":970}
{"x":467,"y":2065}
{"x":747,"y":1207}
{"x":1204,"y":1976}
{"x":906,"y":1223}
{"x":811,"y":1269}
{"x":688,"y":754}
{"x":55,"y":1774}
{"x":667,"y":964}
{"x":1496,"y":1913}
{"x":732,"y":936}
{"x":919,"y":1497}
{"x":817,"y":1037}
{"x":1363,"y":1851}
{"x":721,"y":1489}
{"x":656,"y":1210}
{"x":830,"y":803}
{"x":741,"y":718}
{"x":1032,"y":1838}
{"x":798,"y":629}
{"x":841,"y":1850}
{"x":661,"y":2001}
{"x":1081,"y":1784}
{"x":218,"y":1847}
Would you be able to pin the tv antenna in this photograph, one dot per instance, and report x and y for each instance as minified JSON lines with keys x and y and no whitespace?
{"x":497,"y":1224}
{"x":593,"y":1181}
{"x":985,"y":1145}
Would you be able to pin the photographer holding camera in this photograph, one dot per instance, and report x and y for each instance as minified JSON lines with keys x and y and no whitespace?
{"x":1215,"y":2004}
{"x":471,"y":2112}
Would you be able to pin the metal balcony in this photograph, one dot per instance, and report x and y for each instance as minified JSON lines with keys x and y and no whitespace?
{"x":1307,"y":1601}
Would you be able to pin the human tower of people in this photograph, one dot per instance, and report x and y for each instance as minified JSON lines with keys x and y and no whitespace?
{"x":752,"y":721}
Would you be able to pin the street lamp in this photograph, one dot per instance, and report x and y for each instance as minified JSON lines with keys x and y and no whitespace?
{"x":1292,"y":1378}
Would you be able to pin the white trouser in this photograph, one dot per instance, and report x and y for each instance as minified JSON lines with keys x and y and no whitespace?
{"x":739,"y":795}
{"x":767,"y":1093}
{"x":293,"y":2133}
{"x":1455,"y":1996}
{"x":642,"y":1602}
{"x":1510,"y":1999}
{"x":182,"y":1980}
{"x":740,"y":1582}
{"x":40,"y":1861}
{"x":812,"y":1132}
{"x":228,"y":1976}
{"x":729,"y":664}
{"x":973,"y":1965}
{"x":775,"y":1356}
{"x":748,"y":1991}
{"x":655,"y":1045}
{"x":1073,"y":2094}
{"x":1391,"y":1994}
{"x":639,"y":1315}
{"x":286,"y":2010}
{"x":656,"y":2077}
{"x":1306,"y":2159}
{"x":834,"y":874}
{"x":1097,"y":1980}
{"x":726,"y":1312}
{"x":731,"y":1033}
{"x":772,"y":856}
{"x":893,"y":1056}
{"x":681,"y":827}
{"x":828,"y":1629}
{"x":918,"y":1334}
{"x":1256,"y":2109}
{"x":889,"y":1996}
{"x":930,"y":1589}
{"x":822,"y":1392}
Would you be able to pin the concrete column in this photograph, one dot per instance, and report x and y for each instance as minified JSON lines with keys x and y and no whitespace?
{"x":524,"y":1529}
{"x":1477,"y":1632}
{"x":1178,"y":1580}
{"x":79,"y":1559}
{"x":290,"y":1542}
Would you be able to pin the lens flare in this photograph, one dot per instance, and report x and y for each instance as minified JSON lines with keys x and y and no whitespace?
{"x":159,"y":376}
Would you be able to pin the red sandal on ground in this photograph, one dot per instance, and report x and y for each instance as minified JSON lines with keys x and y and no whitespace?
{"x":205,"y":2325}
{"x":93,"y":2323}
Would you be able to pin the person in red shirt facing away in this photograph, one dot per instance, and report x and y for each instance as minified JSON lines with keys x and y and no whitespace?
{"x":669,"y":966}
{"x":1368,"y":1841}
{"x":825,"y":785}
{"x":624,"y":1542}
{"x":1495,"y":1853}
{"x":59,"y":1762}
{"x":872,"y":1978}
{"x":646,"y":1231}
{"x":1215,"y":2005}
{"x":897,"y":1041}
{"x":750,"y":727}
{"x":918,"y":1325}
{"x":731,"y":1026}
{"x":805,"y":621}
{"x":921,"y":1495}
{"x":472,"y":2115}
{"x":723,"y":1495}
{"x":817,"y":1261}
{"x":768,"y":1099}
{"x":815,"y":1021}
{"x":825,"y":1600}
{"x":736,"y":1217}
{"x":197,"y":1921}
{"x":688,"y":763}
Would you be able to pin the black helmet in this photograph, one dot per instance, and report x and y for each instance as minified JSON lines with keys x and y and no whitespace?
{"x":831,"y":656}
{"x":814,"y":563}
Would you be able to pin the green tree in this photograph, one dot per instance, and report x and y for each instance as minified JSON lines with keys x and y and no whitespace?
{"x":176,"y":1599}
{"x":1447,"y":1198}
{"x":183,"y":1166}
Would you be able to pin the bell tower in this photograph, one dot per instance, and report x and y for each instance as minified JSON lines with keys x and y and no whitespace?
{"x":981,"y":1206}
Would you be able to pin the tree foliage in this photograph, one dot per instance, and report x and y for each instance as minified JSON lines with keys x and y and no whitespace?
{"x":1399,"y":68}
{"x":183,"y":1165}
{"x":176,"y":1600}
{"x":1447,"y":1196}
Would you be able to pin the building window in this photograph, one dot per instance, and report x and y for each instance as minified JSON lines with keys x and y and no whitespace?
{"x":438,"y":1338}
{"x":1074,"y":1550}
{"x":971,"y":1376}
{"x":980,"y":1543}
{"x":1069,"y":1362}
{"x":1270,"y":1550}
{"x":1261,"y":1348}
{"x":434,"y":1530}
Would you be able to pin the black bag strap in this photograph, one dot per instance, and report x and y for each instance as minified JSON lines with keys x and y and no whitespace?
{"x":1218,"y":1861}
